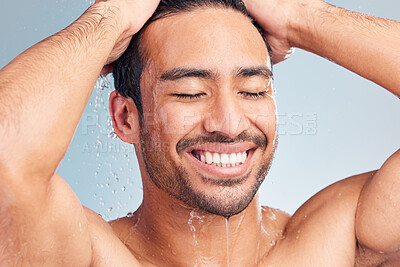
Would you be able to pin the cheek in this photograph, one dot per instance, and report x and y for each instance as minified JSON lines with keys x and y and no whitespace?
{"x":176,"y":120}
{"x":264,"y":117}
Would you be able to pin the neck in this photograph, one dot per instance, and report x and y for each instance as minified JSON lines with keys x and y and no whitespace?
{"x":170,"y":228}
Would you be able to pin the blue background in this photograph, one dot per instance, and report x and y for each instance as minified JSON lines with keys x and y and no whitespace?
{"x":333,"y":123}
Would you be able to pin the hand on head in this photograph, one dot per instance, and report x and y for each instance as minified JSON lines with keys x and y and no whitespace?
{"x":279,"y":19}
{"x":132,"y":15}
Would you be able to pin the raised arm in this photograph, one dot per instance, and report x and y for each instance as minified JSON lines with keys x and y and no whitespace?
{"x":370,"y":47}
{"x":366,"y":45}
{"x":43,"y":93}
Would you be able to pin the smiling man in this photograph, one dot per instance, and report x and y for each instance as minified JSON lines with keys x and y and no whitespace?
{"x":209,"y":135}
{"x":196,"y":98}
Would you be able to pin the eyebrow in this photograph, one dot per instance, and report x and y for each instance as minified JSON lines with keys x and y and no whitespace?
{"x":179,"y":73}
{"x":182,"y":72}
{"x":254,"y":71}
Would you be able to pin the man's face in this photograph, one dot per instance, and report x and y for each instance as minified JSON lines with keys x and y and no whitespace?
{"x":209,"y":129}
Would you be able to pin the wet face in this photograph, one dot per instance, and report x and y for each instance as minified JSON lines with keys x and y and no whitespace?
{"x":208,"y":136}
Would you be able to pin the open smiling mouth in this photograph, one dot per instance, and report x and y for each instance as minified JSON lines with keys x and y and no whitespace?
{"x":221,"y":159}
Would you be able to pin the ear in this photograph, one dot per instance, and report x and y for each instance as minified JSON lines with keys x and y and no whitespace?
{"x":125,"y":118}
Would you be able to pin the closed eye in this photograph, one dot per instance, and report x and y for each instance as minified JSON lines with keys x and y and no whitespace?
{"x":254,"y":95}
{"x":189,"y":96}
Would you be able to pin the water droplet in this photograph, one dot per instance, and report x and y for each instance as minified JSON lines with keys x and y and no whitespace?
{"x":109,"y":209}
{"x":112,"y":135}
{"x":123,"y":188}
{"x":272,"y":243}
{"x":272,"y":216}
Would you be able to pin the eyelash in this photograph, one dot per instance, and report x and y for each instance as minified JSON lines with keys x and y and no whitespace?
{"x":189,"y":96}
{"x":197,"y":96}
{"x":254,"y":95}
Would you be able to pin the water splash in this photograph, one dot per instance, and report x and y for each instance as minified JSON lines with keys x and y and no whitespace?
{"x":227,"y":241}
{"x":115,"y":171}
{"x":195,"y":216}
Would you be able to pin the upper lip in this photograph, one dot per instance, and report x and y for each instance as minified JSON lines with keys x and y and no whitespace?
{"x":223,"y":148}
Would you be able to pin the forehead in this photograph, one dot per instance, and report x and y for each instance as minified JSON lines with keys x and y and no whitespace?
{"x":212,"y":38}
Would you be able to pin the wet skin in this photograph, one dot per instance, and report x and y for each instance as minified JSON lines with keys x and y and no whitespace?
{"x":207,"y":94}
{"x":227,"y":102}
{"x":217,"y":103}
{"x":188,"y":115}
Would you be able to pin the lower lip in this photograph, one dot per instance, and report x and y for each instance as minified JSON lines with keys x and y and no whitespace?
{"x":224,"y":172}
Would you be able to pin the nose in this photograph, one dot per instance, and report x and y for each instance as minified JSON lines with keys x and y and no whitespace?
{"x":226,"y":116}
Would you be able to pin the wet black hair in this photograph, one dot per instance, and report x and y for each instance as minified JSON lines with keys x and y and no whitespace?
{"x":127,"y":70}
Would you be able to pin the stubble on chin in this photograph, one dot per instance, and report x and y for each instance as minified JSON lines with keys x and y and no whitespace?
{"x":175,"y":181}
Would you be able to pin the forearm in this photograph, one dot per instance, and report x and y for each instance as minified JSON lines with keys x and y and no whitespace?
{"x":366,"y":45}
{"x":43,"y":92}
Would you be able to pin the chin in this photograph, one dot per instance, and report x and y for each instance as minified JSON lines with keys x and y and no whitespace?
{"x":223,"y":197}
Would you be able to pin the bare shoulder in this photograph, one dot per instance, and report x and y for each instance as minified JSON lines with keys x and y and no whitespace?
{"x":325,"y":224}
{"x":108,"y":249}
{"x":279,"y":217}
{"x":340,"y":198}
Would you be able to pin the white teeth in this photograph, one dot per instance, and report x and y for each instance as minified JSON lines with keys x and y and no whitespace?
{"x":239,"y":157}
{"x":209,"y":158}
{"x":216,"y":158}
{"x":232,"y":159}
{"x":223,"y":160}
